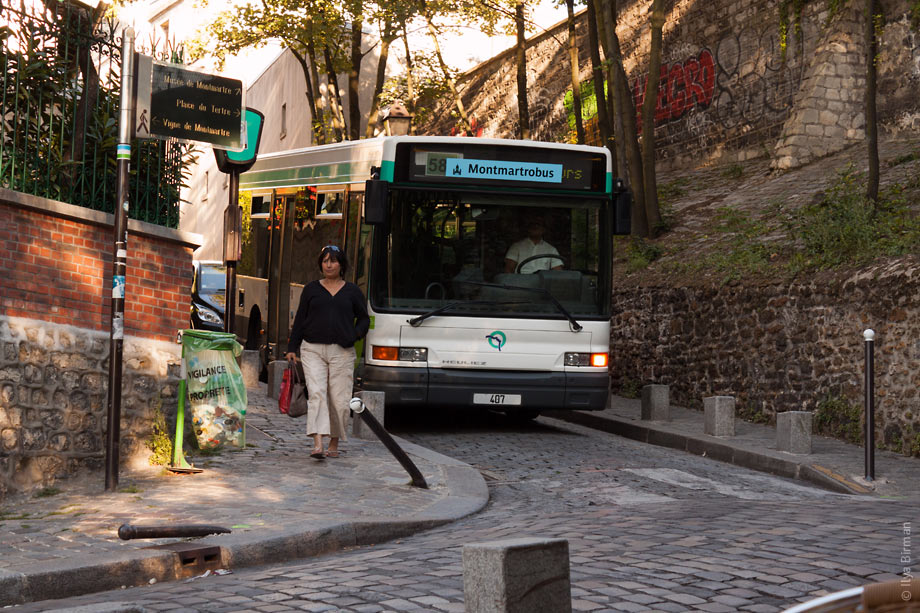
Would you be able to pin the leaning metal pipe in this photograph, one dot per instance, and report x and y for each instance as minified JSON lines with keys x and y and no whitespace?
{"x":127,"y":532}
{"x":357,"y":405}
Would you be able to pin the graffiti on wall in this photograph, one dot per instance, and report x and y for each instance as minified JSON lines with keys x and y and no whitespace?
{"x":741,"y":87}
{"x":683,"y":86}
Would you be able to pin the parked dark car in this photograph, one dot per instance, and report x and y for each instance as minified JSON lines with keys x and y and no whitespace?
{"x":209,"y":296}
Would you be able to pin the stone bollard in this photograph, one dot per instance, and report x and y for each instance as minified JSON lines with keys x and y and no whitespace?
{"x":275,"y":372}
{"x":656,"y":403}
{"x":719,"y":415}
{"x":373,"y":403}
{"x":250,"y":366}
{"x":793,"y":431}
{"x":523,"y":575}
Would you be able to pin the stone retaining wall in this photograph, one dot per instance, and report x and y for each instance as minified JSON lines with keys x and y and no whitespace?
{"x":728,"y":91}
{"x":53,"y":399}
{"x":780,"y":346}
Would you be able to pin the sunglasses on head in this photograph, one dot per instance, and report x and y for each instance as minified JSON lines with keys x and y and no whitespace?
{"x":330,"y":248}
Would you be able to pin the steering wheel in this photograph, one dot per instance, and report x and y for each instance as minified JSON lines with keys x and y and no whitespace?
{"x":435,"y":285}
{"x":539,"y":256}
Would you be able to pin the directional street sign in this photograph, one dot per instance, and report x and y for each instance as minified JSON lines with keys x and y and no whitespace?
{"x":192,"y":106}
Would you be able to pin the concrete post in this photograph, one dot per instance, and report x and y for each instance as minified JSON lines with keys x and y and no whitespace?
{"x":374,"y":403}
{"x":249,"y":365}
{"x":524,"y":575}
{"x":656,"y":403}
{"x":719,"y":415}
{"x":275,"y":372}
{"x":793,"y":431}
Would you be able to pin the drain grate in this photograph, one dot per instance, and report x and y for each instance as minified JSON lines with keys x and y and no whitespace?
{"x":194,"y":559}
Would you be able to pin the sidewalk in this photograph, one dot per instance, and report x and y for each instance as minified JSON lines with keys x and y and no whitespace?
{"x":833,"y":464}
{"x":279,"y":503}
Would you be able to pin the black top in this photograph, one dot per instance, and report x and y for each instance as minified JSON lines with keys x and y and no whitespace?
{"x":326,"y":319}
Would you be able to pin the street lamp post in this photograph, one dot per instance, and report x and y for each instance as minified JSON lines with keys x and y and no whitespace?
{"x":397,"y":120}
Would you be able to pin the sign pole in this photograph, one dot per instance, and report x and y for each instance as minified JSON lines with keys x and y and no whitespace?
{"x":232,"y":236}
{"x":120,"y":261}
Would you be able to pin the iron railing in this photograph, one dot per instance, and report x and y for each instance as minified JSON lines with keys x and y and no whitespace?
{"x":59,"y":98}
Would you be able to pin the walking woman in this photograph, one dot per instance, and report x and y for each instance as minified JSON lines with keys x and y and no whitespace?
{"x":330,"y":318}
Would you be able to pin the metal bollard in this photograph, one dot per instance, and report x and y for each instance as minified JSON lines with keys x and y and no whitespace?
{"x":357,"y":405}
{"x":869,"y":335}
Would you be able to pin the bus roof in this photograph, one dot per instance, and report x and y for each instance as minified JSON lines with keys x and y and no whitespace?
{"x":351,"y":161}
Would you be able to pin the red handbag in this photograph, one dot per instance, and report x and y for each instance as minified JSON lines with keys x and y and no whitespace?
{"x":287,"y":387}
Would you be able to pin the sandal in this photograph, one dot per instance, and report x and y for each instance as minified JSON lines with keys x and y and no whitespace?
{"x":332,"y":453}
{"x":318,"y":454}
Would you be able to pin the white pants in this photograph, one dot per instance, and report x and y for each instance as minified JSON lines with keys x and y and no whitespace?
{"x":329,"y":371}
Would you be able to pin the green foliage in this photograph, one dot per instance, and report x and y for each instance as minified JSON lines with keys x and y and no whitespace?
{"x":47,"y":492}
{"x":915,"y":446}
{"x":836,"y":417}
{"x":131,"y":489}
{"x":160,"y":444}
{"x":61,"y":119}
{"x":429,"y":86}
{"x":754,"y":415}
{"x":907,"y":157}
{"x":640,"y":253}
{"x":741,"y":253}
{"x":796,"y":7}
{"x":630,"y":388}
{"x":734,"y":171}
{"x":7,"y":515}
{"x":672,"y":190}
{"x":843,"y":228}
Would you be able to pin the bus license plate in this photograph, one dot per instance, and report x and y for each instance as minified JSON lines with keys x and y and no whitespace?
{"x":514,"y":399}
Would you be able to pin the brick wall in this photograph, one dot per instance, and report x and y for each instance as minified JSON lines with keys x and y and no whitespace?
{"x":57,"y":270}
{"x":55,"y":297}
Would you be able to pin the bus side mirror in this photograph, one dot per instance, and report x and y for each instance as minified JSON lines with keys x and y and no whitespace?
{"x":622,"y":209}
{"x":376,"y":194}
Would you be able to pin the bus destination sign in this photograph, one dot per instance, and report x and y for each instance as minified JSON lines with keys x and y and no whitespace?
{"x":491,"y":169}
{"x":195,"y":106}
{"x":518,"y":166}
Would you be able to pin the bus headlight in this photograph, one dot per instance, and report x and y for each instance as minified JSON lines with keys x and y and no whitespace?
{"x":403,"y":354}
{"x":586,"y":359}
{"x":413,"y":354}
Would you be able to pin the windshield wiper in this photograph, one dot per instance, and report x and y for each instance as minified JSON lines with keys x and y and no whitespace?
{"x":576,"y":327}
{"x":415,"y":322}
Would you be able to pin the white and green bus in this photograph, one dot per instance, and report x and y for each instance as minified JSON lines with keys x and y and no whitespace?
{"x":459,"y":318}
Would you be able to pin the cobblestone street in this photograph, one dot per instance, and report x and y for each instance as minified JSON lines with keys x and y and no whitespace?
{"x":649,"y":529}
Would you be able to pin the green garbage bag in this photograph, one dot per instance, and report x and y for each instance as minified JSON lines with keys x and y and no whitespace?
{"x":216,"y":392}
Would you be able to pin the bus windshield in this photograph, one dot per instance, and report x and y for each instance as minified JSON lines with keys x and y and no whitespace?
{"x":493,"y":255}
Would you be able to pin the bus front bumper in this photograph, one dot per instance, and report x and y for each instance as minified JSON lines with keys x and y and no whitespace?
{"x":538,"y":391}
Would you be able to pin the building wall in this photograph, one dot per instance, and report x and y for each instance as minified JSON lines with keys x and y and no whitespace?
{"x":728,"y":91}
{"x":55,"y":280}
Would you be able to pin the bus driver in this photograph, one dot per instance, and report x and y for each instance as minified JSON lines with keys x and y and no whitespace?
{"x":530,"y":246}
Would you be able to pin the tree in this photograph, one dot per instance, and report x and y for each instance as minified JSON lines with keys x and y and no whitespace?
{"x":624,"y":113}
{"x":521,"y":62}
{"x":326,"y":38}
{"x":599,"y":77}
{"x":576,"y":79}
{"x":650,"y":185}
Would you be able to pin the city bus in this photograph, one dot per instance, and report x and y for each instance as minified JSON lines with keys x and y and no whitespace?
{"x":464,"y":311}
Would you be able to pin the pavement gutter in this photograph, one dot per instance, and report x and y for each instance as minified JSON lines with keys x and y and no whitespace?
{"x":467,"y":493}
